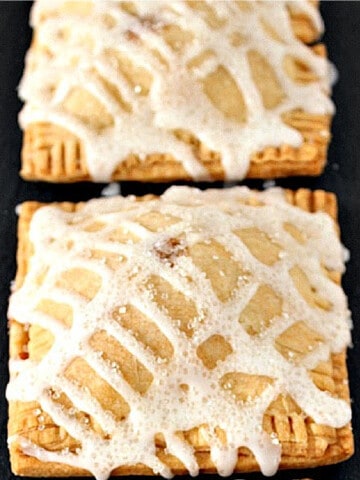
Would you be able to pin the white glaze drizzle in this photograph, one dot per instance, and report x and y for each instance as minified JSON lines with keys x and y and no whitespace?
{"x":176,"y":99}
{"x":203,"y":216}
{"x":111,"y":190}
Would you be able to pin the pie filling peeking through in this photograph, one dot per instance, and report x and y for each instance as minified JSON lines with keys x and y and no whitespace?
{"x":157,"y":91}
{"x":196,"y":331}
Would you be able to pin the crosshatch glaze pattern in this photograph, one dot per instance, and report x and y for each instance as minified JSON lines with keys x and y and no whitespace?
{"x":135,"y":322}
{"x":174,"y":90}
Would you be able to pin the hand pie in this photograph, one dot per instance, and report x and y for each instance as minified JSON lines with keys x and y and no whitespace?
{"x":192,"y":332}
{"x":162,"y":91}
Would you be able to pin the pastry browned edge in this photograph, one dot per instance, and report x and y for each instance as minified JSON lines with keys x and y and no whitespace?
{"x":54,"y":154}
{"x":304,"y":443}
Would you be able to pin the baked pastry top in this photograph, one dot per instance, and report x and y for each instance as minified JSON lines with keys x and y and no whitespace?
{"x":196,"y":331}
{"x":158,"y":91}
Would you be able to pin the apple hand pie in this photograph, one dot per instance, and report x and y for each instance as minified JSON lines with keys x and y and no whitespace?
{"x":161,"y":91}
{"x":196,"y":331}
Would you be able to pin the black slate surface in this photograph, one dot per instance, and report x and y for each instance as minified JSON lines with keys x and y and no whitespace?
{"x":342,"y":176}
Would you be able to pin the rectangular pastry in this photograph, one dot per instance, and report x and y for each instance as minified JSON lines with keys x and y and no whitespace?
{"x":192,"y":332}
{"x":163,"y":91}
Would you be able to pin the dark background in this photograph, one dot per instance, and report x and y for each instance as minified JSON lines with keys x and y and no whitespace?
{"x":342,"y":176}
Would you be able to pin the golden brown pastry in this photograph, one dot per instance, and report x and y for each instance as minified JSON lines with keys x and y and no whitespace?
{"x":192,"y":332}
{"x":161,"y":91}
